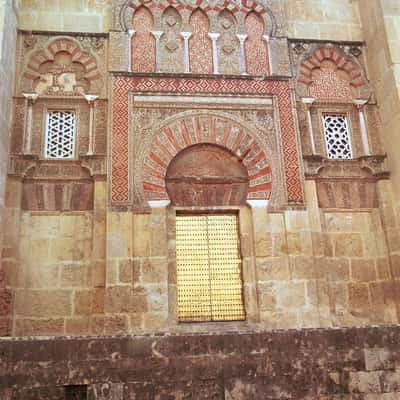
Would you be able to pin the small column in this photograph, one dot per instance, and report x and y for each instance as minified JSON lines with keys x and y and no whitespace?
{"x":360,"y":105}
{"x":243,"y":67}
{"x":214,"y":37}
{"x":158,"y":35}
{"x":268,"y":44}
{"x":30,"y":100}
{"x":308,"y":102}
{"x":131,"y":32}
{"x":90,"y":98}
{"x":186,"y":36}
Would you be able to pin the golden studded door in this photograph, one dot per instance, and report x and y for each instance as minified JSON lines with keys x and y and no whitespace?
{"x":209,"y":278}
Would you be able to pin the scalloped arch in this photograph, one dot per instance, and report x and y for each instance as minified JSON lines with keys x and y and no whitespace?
{"x":62,"y":44}
{"x":130,"y":6}
{"x":313,"y":61}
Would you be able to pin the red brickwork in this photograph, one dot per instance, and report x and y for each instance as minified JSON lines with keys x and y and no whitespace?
{"x":328,"y":75}
{"x":143,"y":42}
{"x":256,"y":49}
{"x":200,"y":44}
{"x":122,"y":86}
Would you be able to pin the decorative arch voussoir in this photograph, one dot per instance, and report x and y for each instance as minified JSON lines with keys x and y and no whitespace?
{"x":36,"y":61}
{"x":187,"y":132}
{"x":344,"y":62}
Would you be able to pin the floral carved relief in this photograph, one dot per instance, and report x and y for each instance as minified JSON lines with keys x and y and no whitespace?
{"x":143,"y":42}
{"x":328,"y":74}
{"x":228,"y":44}
{"x":172,"y":57}
{"x":329,"y":82}
{"x":256,"y":47}
{"x":200,"y":44}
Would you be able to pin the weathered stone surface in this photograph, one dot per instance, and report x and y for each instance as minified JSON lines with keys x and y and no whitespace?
{"x":325,"y":364}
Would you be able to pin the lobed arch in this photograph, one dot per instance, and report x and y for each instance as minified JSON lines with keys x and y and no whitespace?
{"x":143,"y":43}
{"x":200,"y":129}
{"x":83,"y":63}
{"x":256,"y":52}
{"x":349,"y":75}
{"x":200,"y":46}
{"x":129,"y":7}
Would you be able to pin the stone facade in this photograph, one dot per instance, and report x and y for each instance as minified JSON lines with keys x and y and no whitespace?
{"x":8,"y":25}
{"x":302,"y":116}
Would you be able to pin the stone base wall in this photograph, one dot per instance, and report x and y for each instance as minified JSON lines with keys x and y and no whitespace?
{"x":324,"y":364}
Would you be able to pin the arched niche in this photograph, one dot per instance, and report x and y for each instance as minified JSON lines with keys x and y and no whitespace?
{"x":214,"y":131}
{"x":327,"y":74}
{"x":143,"y":42}
{"x":206,"y":175}
{"x":200,"y":48}
{"x":255,"y":45}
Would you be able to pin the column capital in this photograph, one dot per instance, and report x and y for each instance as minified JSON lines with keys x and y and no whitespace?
{"x":214,"y":36}
{"x":31,"y":97}
{"x":186,"y":35}
{"x":360,"y":103}
{"x":308,"y":101}
{"x":90,"y":98}
{"x":258,"y":203}
{"x":157,"y":34}
{"x":242,"y":37}
{"x":159,"y":203}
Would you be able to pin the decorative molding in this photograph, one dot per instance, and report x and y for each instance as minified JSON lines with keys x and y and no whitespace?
{"x":120,"y":128}
{"x":374,"y":166}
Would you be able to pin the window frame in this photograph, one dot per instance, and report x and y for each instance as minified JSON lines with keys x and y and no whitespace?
{"x":47,"y":112}
{"x":347,"y":110}
{"x":346,"y":118}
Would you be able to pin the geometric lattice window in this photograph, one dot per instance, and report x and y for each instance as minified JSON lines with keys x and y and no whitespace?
{"x":60,"y":134}
{"x":209,"y":278}
{"x":337,"y":136}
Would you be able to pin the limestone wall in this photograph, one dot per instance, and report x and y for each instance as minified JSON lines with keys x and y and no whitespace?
{"x":381,"y":24}
{"x":8,"y":24}
{"x":55,"y":270}
{"x":314,"y":19}
{"x":65,"y":16}
{"x":111,"y":269}
{"x":322,"y":19}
